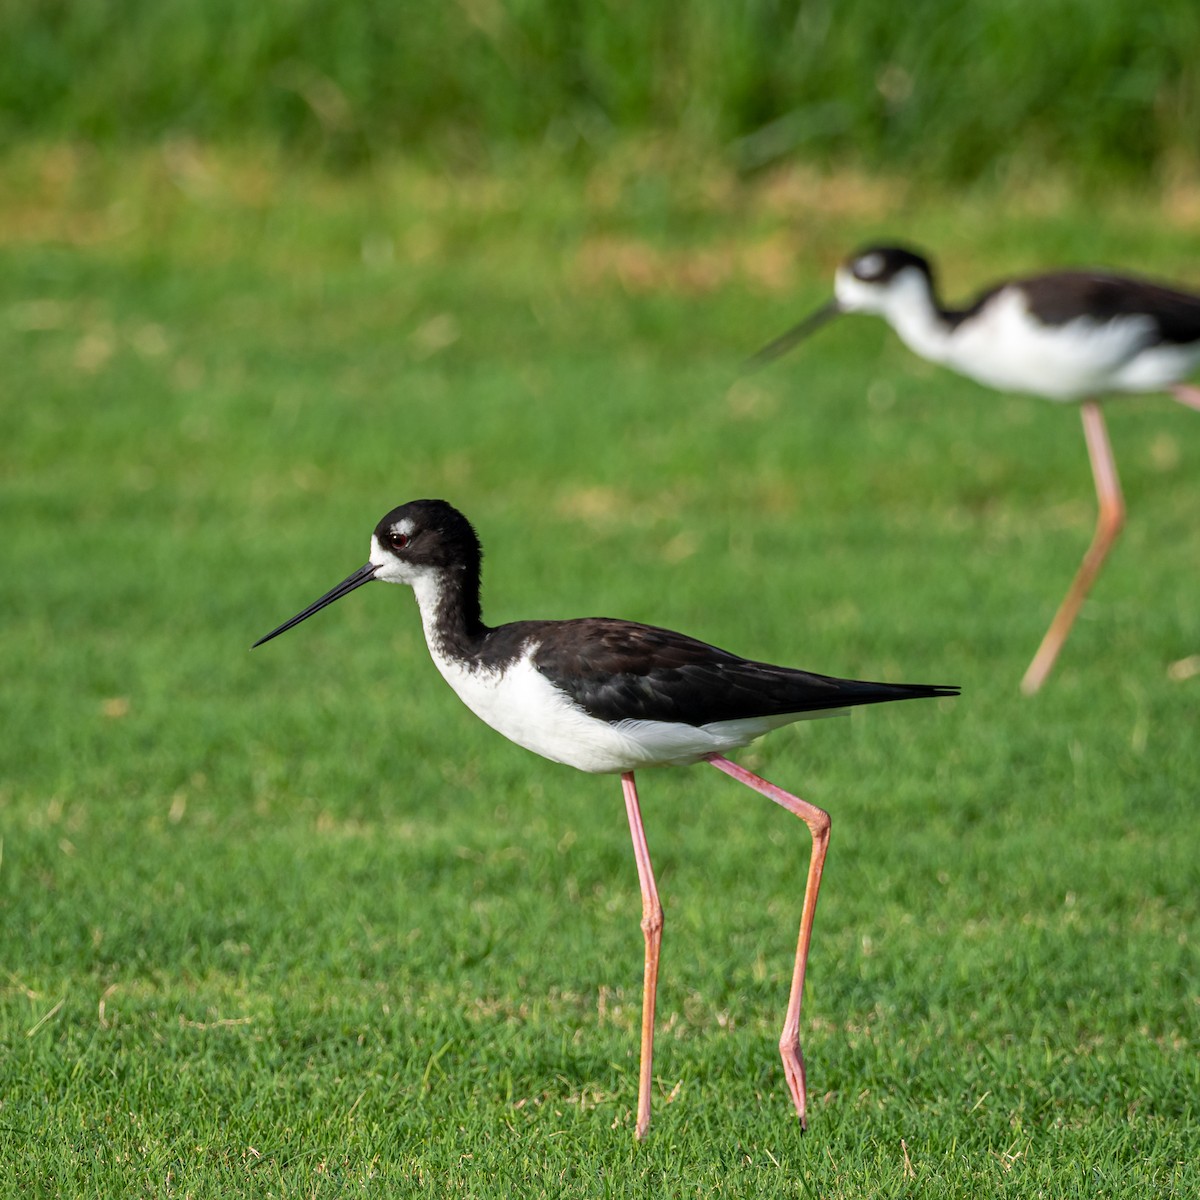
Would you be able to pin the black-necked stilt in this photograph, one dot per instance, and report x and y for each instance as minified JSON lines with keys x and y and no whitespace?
{"x":610,"y":696}
{"x":1066,"y":336}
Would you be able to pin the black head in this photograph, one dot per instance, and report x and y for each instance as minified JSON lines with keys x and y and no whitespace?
{"x":424,"y":535}
{"x":862,"y":284}
{"x":417,"y":541}
{"x":879,"y":265}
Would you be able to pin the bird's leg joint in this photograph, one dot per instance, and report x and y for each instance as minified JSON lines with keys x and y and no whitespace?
{"x":652,"y":921}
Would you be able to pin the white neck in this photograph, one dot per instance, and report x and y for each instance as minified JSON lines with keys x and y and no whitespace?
{"x":427,"y":588}
{"x":910,"y":310}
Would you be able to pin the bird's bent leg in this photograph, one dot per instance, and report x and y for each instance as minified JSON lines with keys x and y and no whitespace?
{"x":652,"y":923}
{"x":817,"y":821}
{"x":1108,"y":525}
{"x":1187,"y":393}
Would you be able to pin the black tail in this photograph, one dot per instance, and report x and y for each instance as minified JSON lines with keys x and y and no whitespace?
{"x":750,"y":689}
{"x":805,"y":693}
{"x":847,"y":693}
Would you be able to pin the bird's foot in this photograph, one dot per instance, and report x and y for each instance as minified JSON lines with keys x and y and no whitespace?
{"x":793,"y":1069}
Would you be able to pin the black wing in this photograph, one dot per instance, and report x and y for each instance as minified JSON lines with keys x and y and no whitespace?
{"x":1063,"y":296}
{"x":621,"y":670}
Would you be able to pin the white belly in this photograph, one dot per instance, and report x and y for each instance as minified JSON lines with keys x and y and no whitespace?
{"x":1157,"y":369}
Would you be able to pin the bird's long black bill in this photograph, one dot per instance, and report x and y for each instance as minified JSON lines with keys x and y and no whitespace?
{"x":364,"y":574}
{"x":785,"y":341}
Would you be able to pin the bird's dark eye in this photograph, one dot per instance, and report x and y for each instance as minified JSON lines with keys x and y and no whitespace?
{"x":397,"y":540}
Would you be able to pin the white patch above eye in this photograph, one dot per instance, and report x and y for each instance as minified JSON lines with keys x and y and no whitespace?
{"x":869,"y":266}
{"x":407,"y":527}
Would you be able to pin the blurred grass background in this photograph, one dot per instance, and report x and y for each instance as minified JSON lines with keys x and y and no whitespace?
{"x":293,"y":923}
{"x":948,"y":91}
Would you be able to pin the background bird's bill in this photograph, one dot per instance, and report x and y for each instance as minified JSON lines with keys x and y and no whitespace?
{"x":785,"y":341}
{"x":364,"y":574}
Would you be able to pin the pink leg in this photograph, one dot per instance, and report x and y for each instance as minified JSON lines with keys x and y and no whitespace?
{"x":1187,"y":393}
{"x":1108,"y":525}
{"x":817,"y":821}
{"x":652,"y":923}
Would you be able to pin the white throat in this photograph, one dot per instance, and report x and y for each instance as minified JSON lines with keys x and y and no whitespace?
{"x":428,"y":587}
{"x":427,"y":583}
{"x":906,"y":303}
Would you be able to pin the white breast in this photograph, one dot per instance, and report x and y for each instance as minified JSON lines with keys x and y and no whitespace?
{"x":520,"y":703}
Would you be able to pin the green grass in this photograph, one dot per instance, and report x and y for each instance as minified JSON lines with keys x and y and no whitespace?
{"x":946,"y":90}
{"x":293,"y":923}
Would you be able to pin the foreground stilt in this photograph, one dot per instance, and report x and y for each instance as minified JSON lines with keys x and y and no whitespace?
{"x":608,"y":696}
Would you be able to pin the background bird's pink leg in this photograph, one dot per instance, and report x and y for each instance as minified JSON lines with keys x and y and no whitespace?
{"x":817,"y":821}
{"x":1108,"y":525}
{"x":1187,"y":393}
{"x":652,"y":923}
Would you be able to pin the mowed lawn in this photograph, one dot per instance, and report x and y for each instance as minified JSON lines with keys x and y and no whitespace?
{"x":294,"y":923}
